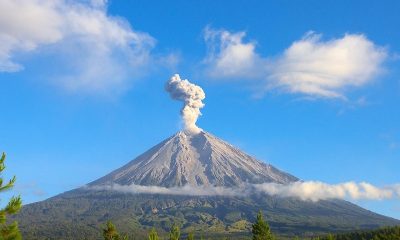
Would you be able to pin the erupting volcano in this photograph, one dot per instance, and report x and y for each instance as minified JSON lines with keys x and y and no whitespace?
{"x":194,"y":158}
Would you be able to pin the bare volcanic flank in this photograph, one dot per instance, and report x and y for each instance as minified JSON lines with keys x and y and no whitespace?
{"x":194,"y":159}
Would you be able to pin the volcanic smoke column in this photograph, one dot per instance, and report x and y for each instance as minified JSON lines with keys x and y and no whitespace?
{"x":191,"y":95}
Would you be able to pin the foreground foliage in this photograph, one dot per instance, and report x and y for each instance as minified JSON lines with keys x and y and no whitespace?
{"x":190,"y":236}
{"x":153,"y":235}
{"x":260,"y":229}
{"x":175,"y":232}
{"x":8,"y":231}
{"x":110,"y":232}
{"x":388,"y":233}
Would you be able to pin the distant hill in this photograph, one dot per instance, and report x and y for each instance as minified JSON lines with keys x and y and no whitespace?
{"x":189,"y":160}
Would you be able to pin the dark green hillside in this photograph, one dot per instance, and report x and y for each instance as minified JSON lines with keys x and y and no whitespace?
{"x":80,"y":214}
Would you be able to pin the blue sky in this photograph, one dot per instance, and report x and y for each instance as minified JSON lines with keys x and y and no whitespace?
{"x":82,"y":89}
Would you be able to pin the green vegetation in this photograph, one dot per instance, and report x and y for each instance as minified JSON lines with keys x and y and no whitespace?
{"x":110,"y":233}
{"x":8,"y":231}
{"x":190,"y":236}
{"x":260,"y":229}
{"x":388,"y":233}
{"x":81,"y":213}
{"x":153,"y":235}
{"x":175,"y":232}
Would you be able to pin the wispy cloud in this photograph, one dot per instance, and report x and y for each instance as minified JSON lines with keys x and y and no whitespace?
{"x":185,"y":190}
{"x":29,"y":189}
{"x":304,"y":190}
{"x":309,"y":66}
{"x":392,"y":142}
{"x":94,"y":50}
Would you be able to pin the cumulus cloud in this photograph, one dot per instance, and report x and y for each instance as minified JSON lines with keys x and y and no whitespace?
{"x":229,"y":56}
{"x":310,"y":66}
{"x":99,"y":51}
{"x":304,"y":190}
{"x":326,"y":68}
{"x":191,"y":95}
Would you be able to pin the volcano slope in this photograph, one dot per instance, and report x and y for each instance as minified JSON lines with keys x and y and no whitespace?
{"x":162,"y":185}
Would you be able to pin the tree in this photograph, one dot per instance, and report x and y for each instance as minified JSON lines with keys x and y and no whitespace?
{"x":201,"y":236}
{"x":9,"y":231}
{"x":260,"y":229}
{"x":111,"y":233}
{"x":153,"y":234}
{"x":190,"y":236}
{"x":330,"y":237}
{"x":174,"y":233}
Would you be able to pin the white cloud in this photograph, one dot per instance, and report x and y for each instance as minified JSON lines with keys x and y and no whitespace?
{"x":397,"y":189}
{"x":315,"y":191}
{"x":36,"y":23}
{"x":229,"y":57}
{"x":185,"y":190}
{"x":325,"y":69}
{"x":99,"y":3}
{"x":29,"y":189}
{"x":99,"y":51}
{"x":309,"y":66}
{"x":307,"y":191}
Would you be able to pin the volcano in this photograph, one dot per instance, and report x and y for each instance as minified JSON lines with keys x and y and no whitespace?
{"x":196,"y":160}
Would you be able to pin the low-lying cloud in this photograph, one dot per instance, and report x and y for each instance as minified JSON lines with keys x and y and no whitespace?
{"x":314,"y":191}
{"x":304,"y":190}
{"x":184,"y":190}
{"x":310,"y":66}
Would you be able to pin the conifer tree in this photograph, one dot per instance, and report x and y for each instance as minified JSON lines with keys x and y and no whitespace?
{"x":330,"y":237}
{"x":261,"y":230}
{"x":153,"y":234}
{"x":175,"y":232}
{"x":8,"y":231}
{"x":190,"y":236}
{"x":111,"y":233}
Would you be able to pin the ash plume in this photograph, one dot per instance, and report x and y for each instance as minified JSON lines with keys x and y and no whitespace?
{"x":191,"y":95}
